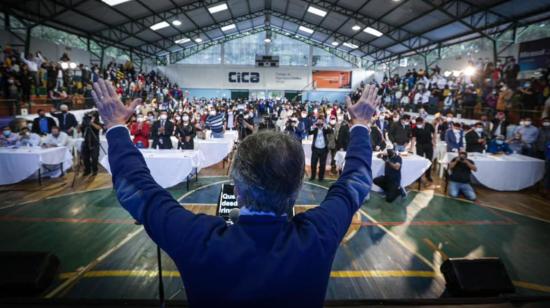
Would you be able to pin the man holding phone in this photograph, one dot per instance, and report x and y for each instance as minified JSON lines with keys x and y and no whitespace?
{"x":460,"y":172}
{"x":319,"y":148}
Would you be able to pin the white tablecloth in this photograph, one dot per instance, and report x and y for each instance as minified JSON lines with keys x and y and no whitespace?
{"x":430,"y":118}
{"x":168,"y":167}
{"x":306,"y":145}
{"x":413,"y":167}
{"x":504,"y":172}
{"x":19,"y":164}
{"x":78,"y":114}
{"x":213,"y":150}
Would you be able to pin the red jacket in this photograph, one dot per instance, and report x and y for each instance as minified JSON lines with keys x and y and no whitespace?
{"x":140,"y":134}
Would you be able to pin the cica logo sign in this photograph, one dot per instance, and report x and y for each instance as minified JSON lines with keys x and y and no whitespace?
{"x":244,"y":77}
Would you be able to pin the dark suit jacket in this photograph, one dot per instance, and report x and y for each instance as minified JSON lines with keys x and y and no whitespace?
{"x":472,"y":144}
{"x":451,"y":141}
{"x":70,"y":121}
{"x":503,"y":127}
{"x":259,"y":261}
{"x":162,"y":141}
{"x":326,"y":131}
{"x":36,"y":125}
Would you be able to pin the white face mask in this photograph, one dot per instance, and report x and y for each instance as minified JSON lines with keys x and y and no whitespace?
{"x":546,"y":124}
{"x":178,"y":118}
{"x":420,"y":126}
{"x":340,"y":119}
{"x":185,"y":118}
{"x":212,"y":112}
{"x":527,"y":123}
{"x":151,"y":118}
{"x":479,"y":129}
{"x":456,"y":131}
{"x":140,"y":120}
{"x":332,"y":122}
{"x":163,"y":117}
{"x":449,"y":119}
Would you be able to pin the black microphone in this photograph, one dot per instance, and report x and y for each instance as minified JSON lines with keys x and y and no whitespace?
{"x":234,"y":215}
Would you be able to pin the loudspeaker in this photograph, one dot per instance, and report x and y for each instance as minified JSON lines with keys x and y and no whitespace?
{"x":26,"y":273}
{"x":476,"y":277}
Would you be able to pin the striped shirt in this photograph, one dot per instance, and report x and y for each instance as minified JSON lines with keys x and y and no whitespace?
{"x":215,"y":123}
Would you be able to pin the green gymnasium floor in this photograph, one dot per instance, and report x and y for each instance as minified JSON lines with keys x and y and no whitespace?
{"x":391,"y":251}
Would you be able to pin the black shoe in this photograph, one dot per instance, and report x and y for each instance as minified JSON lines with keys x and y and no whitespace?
{"x":311,"y":179}
{"x":86,"y":173}
{"x":321,"y":179}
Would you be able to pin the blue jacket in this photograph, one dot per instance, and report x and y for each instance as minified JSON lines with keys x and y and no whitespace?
{"x":451,"y":141}
{"x":261,"y":260}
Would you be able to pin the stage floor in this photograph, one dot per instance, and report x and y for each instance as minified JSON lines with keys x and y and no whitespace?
{"x":391,"y":250}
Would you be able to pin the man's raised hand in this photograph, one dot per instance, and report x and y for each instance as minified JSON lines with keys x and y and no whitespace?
{"x":362,"y":111}
{"x":110,"y":107}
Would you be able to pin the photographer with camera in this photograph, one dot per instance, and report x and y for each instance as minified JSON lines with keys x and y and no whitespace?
{"x":460,"y":169}
{"x":319,"y":148}
{"x":390,"y":182}
{"x":90,"y":128}
{"x":245,"y":123}
{"x":292,"y":128}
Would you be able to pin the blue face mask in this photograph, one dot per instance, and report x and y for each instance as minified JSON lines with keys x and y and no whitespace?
{"x":499,"y":142}
{"x":7,"y":133}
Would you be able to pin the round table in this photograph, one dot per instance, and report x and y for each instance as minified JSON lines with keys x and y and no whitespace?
{"x":413,"y":167}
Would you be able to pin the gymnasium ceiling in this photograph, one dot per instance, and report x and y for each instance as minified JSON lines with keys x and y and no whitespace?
{"x":405,"y":26}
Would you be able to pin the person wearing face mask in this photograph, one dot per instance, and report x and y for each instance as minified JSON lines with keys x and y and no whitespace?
{"x":460,"y":169}
{"x":186,"y":132}
{"x":499,"y":125}
{"x":390,"y":182}
{"x":57,"y":138}
{"x":216,"y":123}
{"x":8,"y":138}
{"x":42,"y":125}
{"x":476,"y":139}
{"x":445,"y":126}
{"x":377,"y":139}
{"x":333,"y":142}
{"x":454,"y":137}
{"x":499,"y":146}
{"x":343,"y":132}
{"x":528,"y":134}
{"x":319,"y":148}
{"x":305,"y":122}
{"x":400,"y":134}
{"x":230,"y":118}
{"x":67,"y":121}
{"x":292,"y":128}
{"x":161,"y":132}
{"x":424,"y":139}
{"x":543,"y":149}
{"x":140,"y":130}
{"x":26,"y":138}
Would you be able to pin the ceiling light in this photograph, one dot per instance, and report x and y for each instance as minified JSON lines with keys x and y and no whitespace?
{"x":356,"y":28}
{"x":160,"y":25}
{"x":176,"y":22}
{"x":350,"y":45}
{"x":217,"y":8}
{"x":198,"y":40}
{"x":373,"y":31}
{"x":114,"y":2}
{"x":335,"y":43}
{"x":267,"y":40}
{"x":228,"y":27}
{"x":316,"y":11}
{"x":182,"y":41}
{"x":305,"y":29}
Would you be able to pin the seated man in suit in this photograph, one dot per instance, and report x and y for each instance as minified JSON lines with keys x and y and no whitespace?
{"x":42,"y":125}
{"x":454,"y":138}
{"x":161,"y":132}
{"x":476,"y":139}
{"x":499,"y":146}
{"x":67,"y":121}
{"x":265,"y":258}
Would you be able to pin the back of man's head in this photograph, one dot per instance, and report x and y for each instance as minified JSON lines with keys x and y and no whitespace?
{"x":268,"y":170}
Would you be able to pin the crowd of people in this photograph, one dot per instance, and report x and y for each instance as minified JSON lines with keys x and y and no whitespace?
{"x":419,"y":110}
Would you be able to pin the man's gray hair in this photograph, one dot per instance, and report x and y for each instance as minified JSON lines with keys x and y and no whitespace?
{"x":268,"y":171}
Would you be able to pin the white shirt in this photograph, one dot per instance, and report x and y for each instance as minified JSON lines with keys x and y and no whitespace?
{"x":61,"y":140}
{"x":320,"y":140}
{"x":31,"y":139}
{"x":426,"y":97}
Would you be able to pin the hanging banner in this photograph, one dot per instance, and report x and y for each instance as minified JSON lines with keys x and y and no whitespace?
{"x":332,"y":79}
{"x":533,"y":57}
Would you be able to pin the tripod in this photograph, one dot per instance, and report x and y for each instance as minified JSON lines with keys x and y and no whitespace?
{"x":87,"y":130}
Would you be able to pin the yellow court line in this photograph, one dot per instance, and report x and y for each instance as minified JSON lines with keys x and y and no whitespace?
{"x":531,"y":286}
{"x":365,"y":274}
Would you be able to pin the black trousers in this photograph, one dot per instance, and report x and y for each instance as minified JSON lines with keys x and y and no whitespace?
{"x":318,"y":156}
{"x":390,"y":188}
{"x":426,"y":150}
{"x":90,"y":156}
{"x":332,"y":158}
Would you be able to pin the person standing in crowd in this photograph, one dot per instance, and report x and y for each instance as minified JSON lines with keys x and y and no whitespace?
{"x":293,"y":129}
{"x":460,"y":169}
{"x":26,"y":138}
{"x":90,"y":128}
{"x":424,"y":139}
{"x":216,"y":122}
{"x":33,"y":65}
{"x":230,"y":118}
{"x":476,"y":140}
{"x":487,"y":126}
{"x":186,"y":133}
{"x":333,"y":142}
{"x":25,"y":82}
{"x":56,"y":138}
{"x":161,"y":132}
{"x":528,"y":135}
{"x":445,"y":126}
{"x":343,"y":133}
{"x":500,"y":125}
{"x":8,"y":138}
{"x":67,"y":121}
{"x":499,"y":146}
{"x":469,"y":101}
{"x":42,"y":125}
{"x":141,"y":131}
{"x":378,"y":142}
{"x":390,"y":182}
{"x":319,"y":148}
{"x":400,"y":134}
{"x":454,"y":138}
{"x":543,"y":151}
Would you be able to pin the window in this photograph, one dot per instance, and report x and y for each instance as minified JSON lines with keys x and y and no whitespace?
{"x":244,"y":50}
{"x":323,"y":58}
{"x":211,"y":55}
